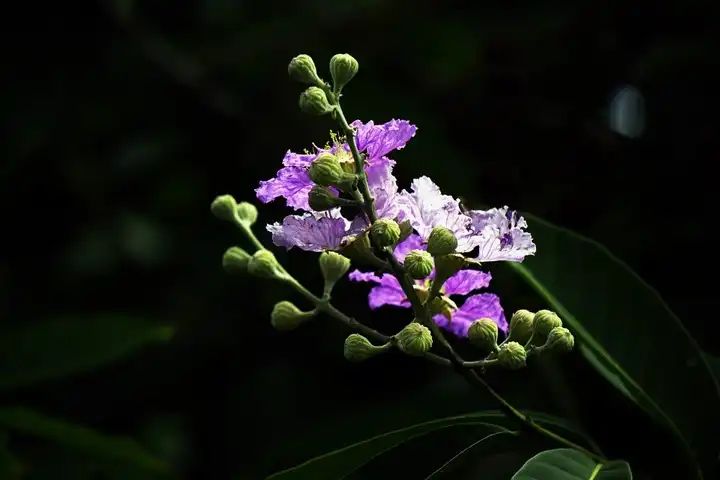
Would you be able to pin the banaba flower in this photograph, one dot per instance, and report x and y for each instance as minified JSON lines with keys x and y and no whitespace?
{"x":313,"y":231}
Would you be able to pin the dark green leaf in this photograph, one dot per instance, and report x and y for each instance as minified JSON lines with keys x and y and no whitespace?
{"x":569,"y":464}
{"x":60,"y":347}
{"x":85,"y":440}
{"x":627,"y":333}
{"x":475,"y":450}
{"x":342,"y":462}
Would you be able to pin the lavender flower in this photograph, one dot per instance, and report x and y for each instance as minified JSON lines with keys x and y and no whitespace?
{"x":388,"y":291}
{"x":500,"y":234}
{"x":315,"y":232}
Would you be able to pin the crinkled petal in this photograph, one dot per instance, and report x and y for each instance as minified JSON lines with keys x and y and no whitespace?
{"x":466,"y":281}
{"x":383,"y":186}
{"x":292,"y":183}
{"x":413,"y":242}
{"x":388,"y":291}
{"x":484,"y":305}
{"x":313,"y":232}
{"x":426,"y":207}
{"x":500,"y":234}
{"x":379,"y":140}
{"x":302,"y":160}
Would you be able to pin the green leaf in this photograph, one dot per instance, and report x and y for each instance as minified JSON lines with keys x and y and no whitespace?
{"x":82,"y":439}
{"x":474,"y":450}
{"x":60,"y":347}
{"x":342,"y":462}
{"x":569,"y":464}
{"x":628,"y":333}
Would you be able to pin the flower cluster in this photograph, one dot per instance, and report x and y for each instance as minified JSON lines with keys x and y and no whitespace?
{"x":498,"y":234}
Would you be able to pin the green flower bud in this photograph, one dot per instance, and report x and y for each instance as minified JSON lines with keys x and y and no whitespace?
{"x":406,"y":230}
{"x":560,"y":340}
{"x":358,"y":348}
{"x":512,"y":355}
{"x":313,"y":101}
{"x":224,"y":207}
{"x":419,"y":264}
{"x":414,"y":339}
{"x":543,"y":322}
{"x":247,"y":213}
{"x":264,"y":264}
{"x":326,"y":170}
{"x":343,"y":68}
{"x":236,"y":260}
{"x":321,"y":199}
{"x":333,"y":266}
{"x":302,"y":69}
{"x":521,"y":326}
{"x":385,"y":232}
{"x":360,"y":251}
{"x":442,"y":241}
{"x":443,"y":305}
{"x":445,"y":267}
{"x":286,"y":316}
{"x":483,"y":334}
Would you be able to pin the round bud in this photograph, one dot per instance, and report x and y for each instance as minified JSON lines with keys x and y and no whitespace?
{"x":483,"y":334}
{"x":264,"y":264}
{"x":313,"y":101}
{"x":321,"y":199}
{"x":224,"y":207}
{"x":512,"y":355}
{"x":419,"y":264}
{"x":247,"y":213}
{"x":235,"y":260}
{"x":343,"y":68}
{"x":286,"y":316}
{"x":414,"y":339}
{"x":385,"y":232}
{"x":544,"y":321}
{"x":358,"y":348}
{"x":442,"y":241}
{"x":326,"y":170}
{"x":333,"y":266}
{"x":302,"y":69}
{"x":521,"y":326}
{"x":560,"y":340}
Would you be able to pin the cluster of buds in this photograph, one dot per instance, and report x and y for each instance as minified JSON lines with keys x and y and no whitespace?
{"x":319,"y":97}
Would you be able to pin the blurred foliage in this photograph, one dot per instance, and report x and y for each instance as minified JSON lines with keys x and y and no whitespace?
{"x":123,"y":119}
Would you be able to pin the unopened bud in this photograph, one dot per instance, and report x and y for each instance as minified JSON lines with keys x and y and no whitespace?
{"x":414,"y":339}
{"x":343,"y":68}
{"x":321,"y":199}
{"x":560,"y":340}
{"x":543,"y":322}
{"x":326,"y":170}
{"x":302,"y":69}
{"x":313,"y":101}
{"x":264,"y":264}
{"x":236,"y":260}
{"x":442,"y":241}
{"x":512,"y":355}
{"x":521,"y":326}
{"x":419,"y":264}
{"x":224,"y":207}
{"x":286,"y":316}
{"x":385,"y":232}
{"x":333,"y":266}
{"x":358,"y":348}
{"x":483,"y":334}
{"x":247,"y":213}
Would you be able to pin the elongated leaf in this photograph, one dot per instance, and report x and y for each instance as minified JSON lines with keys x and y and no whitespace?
{"x":475,"y":450}
{"x":568,"y":464}
{"x":342,"y":462}
{"x":82,"y":439}
{"x":627,"y":333}
{"x":60,"y":347}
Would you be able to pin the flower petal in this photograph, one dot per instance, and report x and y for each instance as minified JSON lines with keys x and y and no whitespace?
{"x":292,"y":183}
{"x":500,"y":234}
{"x":466,"y":281}
{"x":313,"y":232}
{"x":379,"y":140}
{"x":383,"y":186}
{"x":388,"y":291}
{"x":413,"y":242}
{"x":484,"y":305}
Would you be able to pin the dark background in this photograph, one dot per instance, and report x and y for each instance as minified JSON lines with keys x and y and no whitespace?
{"x":122,"y":120}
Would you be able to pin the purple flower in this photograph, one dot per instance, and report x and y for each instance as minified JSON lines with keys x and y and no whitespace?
{"x":483,"y":305}
{"x":314,"y":232}
{"x":388,"y":291}
{"x":426,"y":207}
{"x":500,"y":234}
{"x":293,"y":183}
